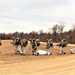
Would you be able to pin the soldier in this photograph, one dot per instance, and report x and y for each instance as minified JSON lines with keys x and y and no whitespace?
{"x":48,"y":46}
{"x":23,"y":44}
{"x":61,"y":45}
{"x":16,"y":43}
{"x":34,"y":46}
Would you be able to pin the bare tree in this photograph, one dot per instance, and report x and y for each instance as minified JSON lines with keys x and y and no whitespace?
{"x":41,"y":35}
{"x":61,"y":28}
{"x":54,"y":31}
{"x":72,"y":35}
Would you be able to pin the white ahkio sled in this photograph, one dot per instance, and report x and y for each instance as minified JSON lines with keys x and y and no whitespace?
{"x":42,"y":52}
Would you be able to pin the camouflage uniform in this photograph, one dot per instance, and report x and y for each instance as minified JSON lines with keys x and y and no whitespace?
{"x":61,"y":45}
{"x":33,"y":46}
{"x":48,"y":46}
{"x":16,"y":44}
{"x":23,"y":44}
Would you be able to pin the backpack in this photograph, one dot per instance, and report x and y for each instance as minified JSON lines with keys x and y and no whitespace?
{"x":24,"y":42}
{"x":38,"y":42}
{"x":17,"y":41}
{"x":50,"y":42}
{"x":64,"y":43}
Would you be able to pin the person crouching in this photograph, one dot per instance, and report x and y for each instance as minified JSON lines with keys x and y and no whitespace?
{"x":16,"y":44}
{"x":34,"y":44}
{"x":23,"y":44}
{"x":48,"y":46}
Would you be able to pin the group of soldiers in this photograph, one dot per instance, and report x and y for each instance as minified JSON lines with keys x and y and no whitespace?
{"x":20,"y":45}
{"x":62,"y":43}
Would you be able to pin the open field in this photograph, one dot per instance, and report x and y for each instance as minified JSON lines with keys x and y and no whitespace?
{"x":11,"y":64}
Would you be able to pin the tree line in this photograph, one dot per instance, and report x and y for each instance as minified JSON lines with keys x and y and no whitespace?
{"x":55,"y":33}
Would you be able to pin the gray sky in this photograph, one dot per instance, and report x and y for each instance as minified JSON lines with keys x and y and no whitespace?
{"x":34,"y":15}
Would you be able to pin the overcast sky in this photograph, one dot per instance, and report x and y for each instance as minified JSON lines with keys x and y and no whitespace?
{"x":34,"y":15}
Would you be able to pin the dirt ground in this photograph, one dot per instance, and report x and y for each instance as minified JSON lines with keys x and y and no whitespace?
{"x":11,"y":64}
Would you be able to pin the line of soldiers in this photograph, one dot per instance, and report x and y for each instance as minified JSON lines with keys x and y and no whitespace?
{"x":62,"y":43}
{"x":20,"y":45}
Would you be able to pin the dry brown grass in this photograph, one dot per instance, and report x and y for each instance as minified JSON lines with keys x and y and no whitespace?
{"x":11,"y":64}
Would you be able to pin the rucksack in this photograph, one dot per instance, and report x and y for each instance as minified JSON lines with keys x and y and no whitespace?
{"x":24,"y":42}
{"x":50,"y":42}
{"x":17,"y":41}
{"x":38,"y":42}
{"x":64,"y":43}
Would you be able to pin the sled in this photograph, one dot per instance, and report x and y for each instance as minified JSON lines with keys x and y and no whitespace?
{"x":42,"y":52}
